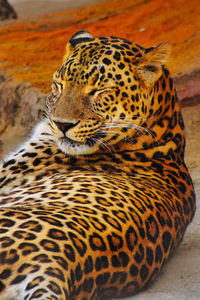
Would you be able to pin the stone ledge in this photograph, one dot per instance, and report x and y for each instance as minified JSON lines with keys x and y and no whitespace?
{"x":31,"y":50}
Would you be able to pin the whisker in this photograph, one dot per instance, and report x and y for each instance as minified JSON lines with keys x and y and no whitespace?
{"x":139,"y":130}
{"x":103,"y":144}
{"x":126,"y":124}
{"x":107,"y":132}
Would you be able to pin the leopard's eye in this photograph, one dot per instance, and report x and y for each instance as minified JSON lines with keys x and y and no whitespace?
{"x":100,"y":91}
{"x":93,"y":92}
{"x":56,"y":90}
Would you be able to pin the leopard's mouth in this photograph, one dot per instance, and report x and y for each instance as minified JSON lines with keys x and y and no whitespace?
{"x":72,"y":147}
{"x":66,"y":139}
{"x":90,"y":141}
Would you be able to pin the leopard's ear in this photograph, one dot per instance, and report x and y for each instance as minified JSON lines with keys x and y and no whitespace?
{"x":77,"y":38}
{"x":149,"y":66}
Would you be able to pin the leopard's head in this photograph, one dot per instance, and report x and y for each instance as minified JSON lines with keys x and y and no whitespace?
{"x":100,"y":95}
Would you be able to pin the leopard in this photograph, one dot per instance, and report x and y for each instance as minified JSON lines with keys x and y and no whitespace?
{"x":95,"y":202}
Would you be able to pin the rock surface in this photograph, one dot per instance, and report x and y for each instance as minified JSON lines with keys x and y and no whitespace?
{"x":21,"y":107}
{"x":6,"y":11}
{"x":31,"y":50}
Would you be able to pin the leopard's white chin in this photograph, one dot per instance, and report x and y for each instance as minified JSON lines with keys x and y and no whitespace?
{"x":73,"y":148}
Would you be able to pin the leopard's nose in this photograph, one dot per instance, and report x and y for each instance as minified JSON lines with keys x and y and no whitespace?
{"x":64,"y":126}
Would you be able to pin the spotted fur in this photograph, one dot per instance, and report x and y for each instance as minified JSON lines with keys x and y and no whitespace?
{"x":93,"y":204}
